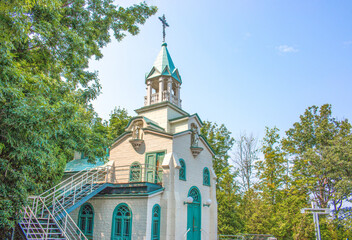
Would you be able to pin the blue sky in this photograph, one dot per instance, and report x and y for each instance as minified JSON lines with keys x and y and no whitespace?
{"x":245,"y":63}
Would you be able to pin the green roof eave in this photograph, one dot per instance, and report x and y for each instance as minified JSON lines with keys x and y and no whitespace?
{"x":119,"y":137}
{"x":200,"y":120}
{"x":207,"y":144}
{"x":147,"y":120}
{"x":177,"y":118}
{"x":190,"y":131}
{"x":185,"y":116}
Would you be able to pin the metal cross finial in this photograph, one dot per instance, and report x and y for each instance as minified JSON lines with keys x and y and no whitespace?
{"x":165,"y":24}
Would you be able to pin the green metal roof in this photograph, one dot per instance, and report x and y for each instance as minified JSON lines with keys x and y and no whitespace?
{"x":81,"y":164}
{"x":147,"y":120}
{"x":164,"y":66}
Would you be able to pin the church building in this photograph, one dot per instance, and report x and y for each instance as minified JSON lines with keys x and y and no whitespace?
{"x":159,"y":182}
{"x":161,"y":179}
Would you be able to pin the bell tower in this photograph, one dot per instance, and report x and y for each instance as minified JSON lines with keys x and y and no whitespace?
{"x":162,"y":102}
{"x":163,"y":81}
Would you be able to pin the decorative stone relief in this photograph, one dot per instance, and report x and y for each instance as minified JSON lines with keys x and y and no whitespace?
{"x":137,"y":135}
{"x":195,"y":149}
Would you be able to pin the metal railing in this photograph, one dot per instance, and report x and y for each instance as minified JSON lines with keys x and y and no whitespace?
{"x":68,"y":225}
{"x":51,"y":205}
{"x":48,"y":209}
{"x":47,"y":225}
{"x":32,"y":226}
{"x":137,"y":172}
{"x":75,"y":187}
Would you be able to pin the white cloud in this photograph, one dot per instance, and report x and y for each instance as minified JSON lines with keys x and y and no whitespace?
{"x":286,"y":49}
{"x":247,"y":35}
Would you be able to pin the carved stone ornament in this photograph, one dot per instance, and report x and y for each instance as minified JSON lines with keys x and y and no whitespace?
{"x":136,"y":143}
{"x":196,"y":151}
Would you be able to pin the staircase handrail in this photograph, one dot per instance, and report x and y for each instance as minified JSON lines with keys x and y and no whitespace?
{"x":36,"y":200}
{"x":31,"y":216}
{"x":86,"y":177}
{"x":72,"y":178}
{"x":71,"y":223}
{"x":66,"y":180}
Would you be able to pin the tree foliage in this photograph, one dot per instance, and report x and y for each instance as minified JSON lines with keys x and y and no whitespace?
{"x":311,"y":162}
{"x":219,"y":138}
{"x":272,"y":171}
{"x":46,"y":89}
{"x":321,"y":147}
{"x":270,"y":207}
{"x":119,"y":119}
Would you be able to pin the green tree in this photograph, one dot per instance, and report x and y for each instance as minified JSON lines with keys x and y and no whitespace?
{"x":227,"y":191}
{"x":219,"y":138}
{"x":46,"y":89}
{"x":321,"y":147}
{"x":272,"y":171}
{"x":119,"y":119}
{"x":271,"y":207}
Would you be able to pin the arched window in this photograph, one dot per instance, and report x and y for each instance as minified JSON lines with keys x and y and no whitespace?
{"x":86,"y":220}
{"x":121,"y":223}
{"x":156,"y":222}
{"x":194,"y":193}
{"x":182,"y":172}
{"x":206,"y":177}
{"x":135,"y":172}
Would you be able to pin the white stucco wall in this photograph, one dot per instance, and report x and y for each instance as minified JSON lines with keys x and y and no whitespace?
{"x":194,"y":177}
{"x":141,"y":208}
{"x":173,"y":211}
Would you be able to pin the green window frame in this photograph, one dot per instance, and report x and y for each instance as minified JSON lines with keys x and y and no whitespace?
{"x":121,"y":223}
{"x":182,"y":171}
{"x":86,"y":219}
{"x":135,"y":172}
{"x":206,"y":177}
{"x":156,"y":222}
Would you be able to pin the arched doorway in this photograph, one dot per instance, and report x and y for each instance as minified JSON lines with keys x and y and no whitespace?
{"x":194,"y":215}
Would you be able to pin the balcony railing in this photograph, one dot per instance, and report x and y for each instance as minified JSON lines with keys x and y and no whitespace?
{"x":166,"y":96}
{"x":137,"y":172}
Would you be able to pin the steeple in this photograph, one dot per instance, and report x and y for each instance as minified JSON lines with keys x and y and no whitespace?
{"x":163,"y":81}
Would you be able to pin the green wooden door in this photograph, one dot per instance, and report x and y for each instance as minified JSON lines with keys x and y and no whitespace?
{"x":194,"y":215}
{"x":150,"y":167}
{"x":153,"y":170}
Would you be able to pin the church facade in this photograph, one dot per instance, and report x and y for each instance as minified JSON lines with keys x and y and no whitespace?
{"x":161,"y":183}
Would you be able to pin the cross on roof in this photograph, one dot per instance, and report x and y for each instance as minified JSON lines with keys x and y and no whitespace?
{"x":165,"y":24}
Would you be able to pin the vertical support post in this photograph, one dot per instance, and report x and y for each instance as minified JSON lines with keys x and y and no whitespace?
{"x":179,"y":96}
{"x":316,"y":222}
{"x":149,"y":92}
{"x":169,"y":89}
{"x":161,"y":89}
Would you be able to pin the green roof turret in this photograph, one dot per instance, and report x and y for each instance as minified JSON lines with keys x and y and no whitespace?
{"x":164,"y":66}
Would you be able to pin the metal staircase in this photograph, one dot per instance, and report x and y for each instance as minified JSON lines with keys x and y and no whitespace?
{"x":47,"y":215}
